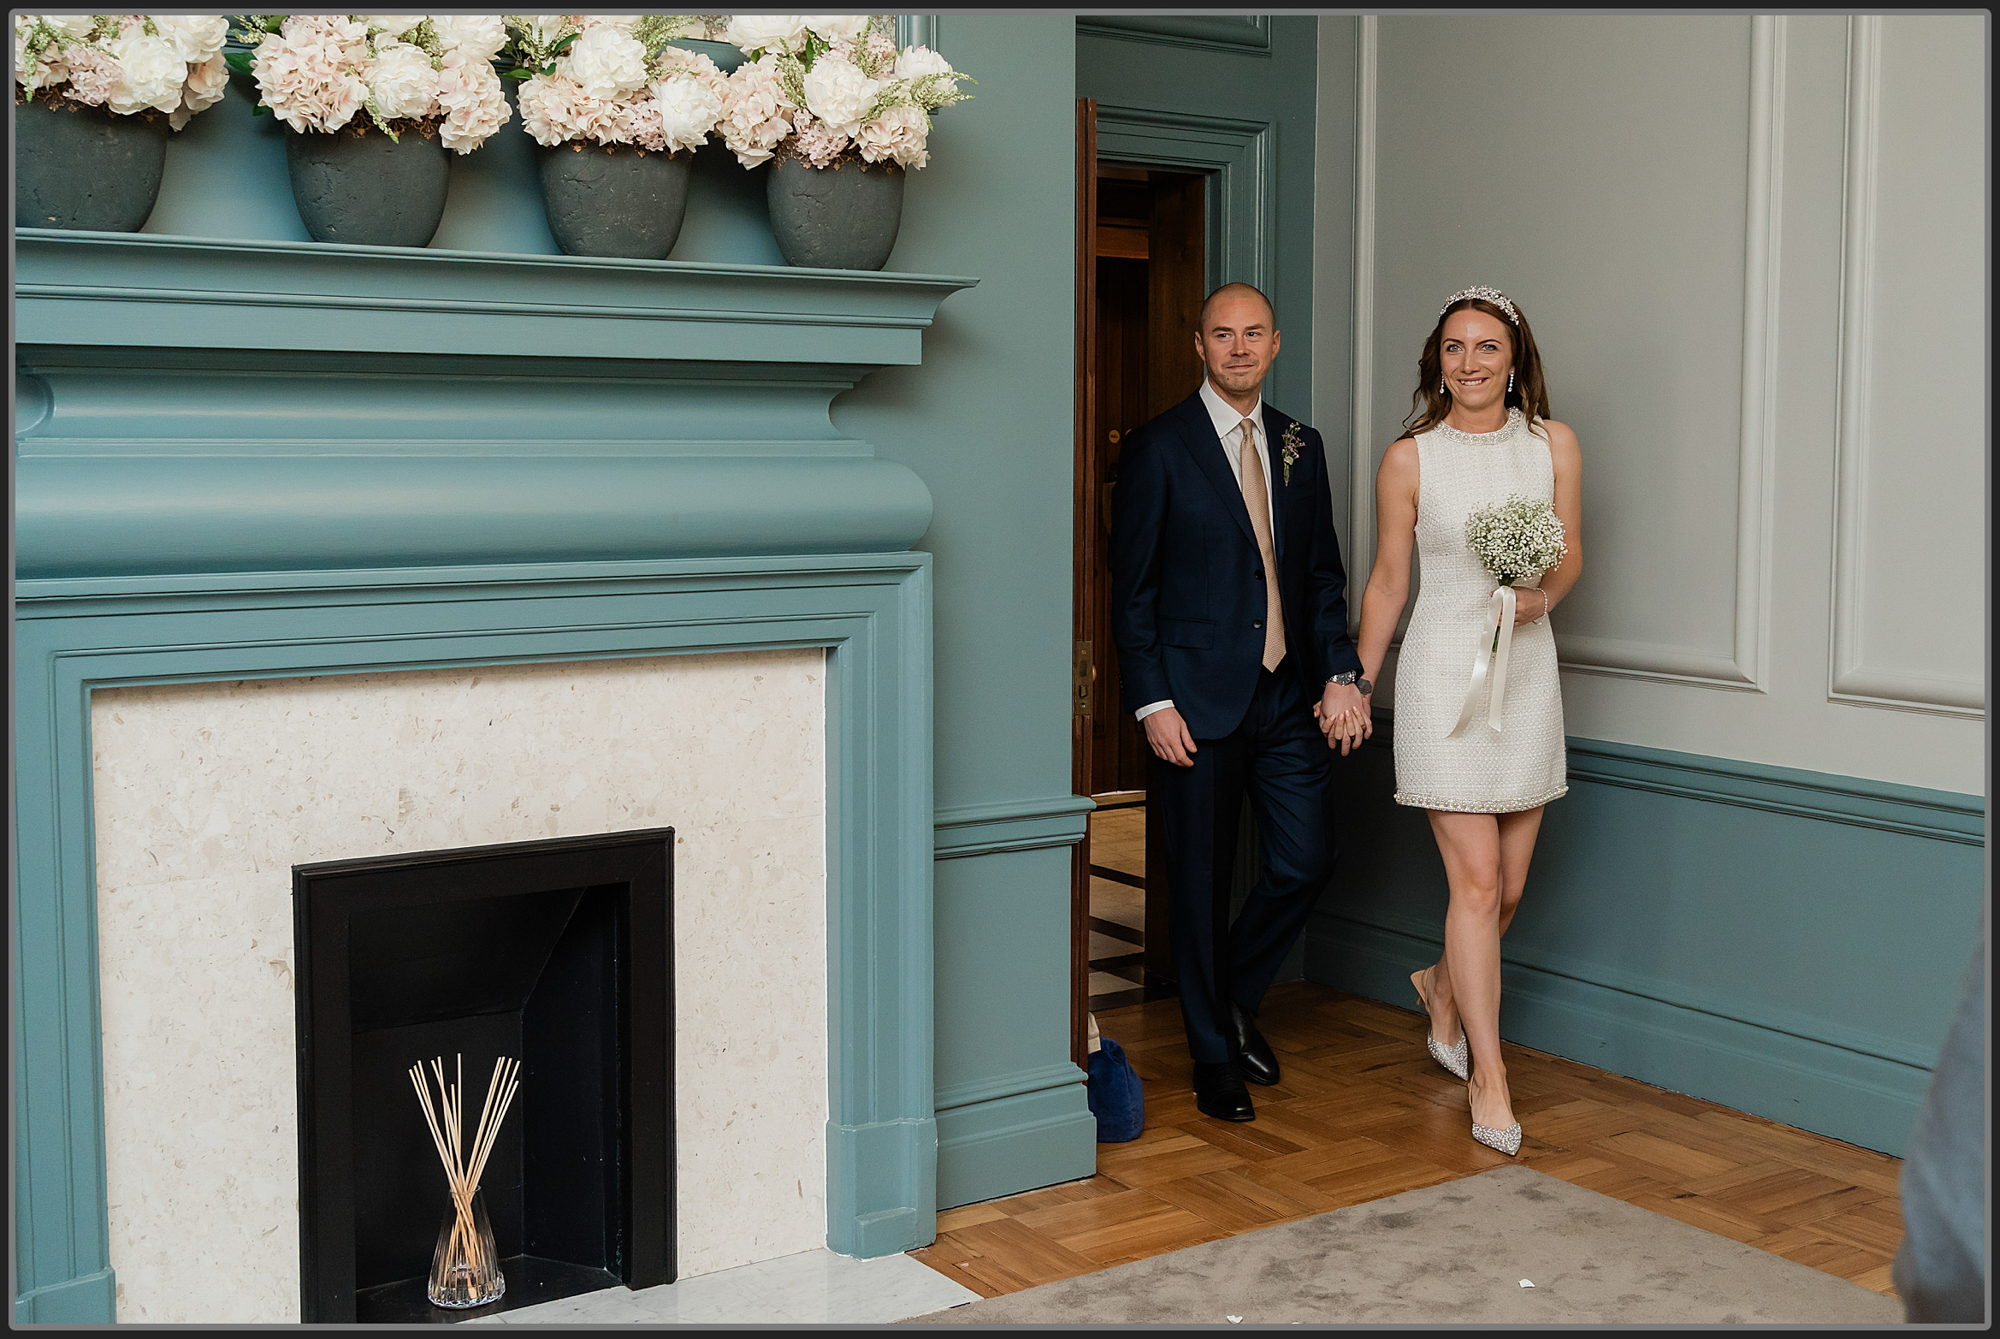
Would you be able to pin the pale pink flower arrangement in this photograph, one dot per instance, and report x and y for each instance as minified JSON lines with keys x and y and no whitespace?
{"x":832,"y":88}
{"x":126,"y":63}
{"x":431,"y":73}
{"x":614,"y":79}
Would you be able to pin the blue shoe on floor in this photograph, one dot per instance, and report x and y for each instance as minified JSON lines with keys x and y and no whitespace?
{"x":1116,"y":1097}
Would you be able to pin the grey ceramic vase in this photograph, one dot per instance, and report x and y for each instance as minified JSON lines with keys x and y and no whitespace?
{"x":367,"y":188}
{"x":612,"y":200}
{"x":838,"y":218}
{"x":83,"y":167}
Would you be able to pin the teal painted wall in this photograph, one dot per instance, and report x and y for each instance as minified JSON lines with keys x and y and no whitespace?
{"x":986,"y":423}
{"x":1784,"y":942}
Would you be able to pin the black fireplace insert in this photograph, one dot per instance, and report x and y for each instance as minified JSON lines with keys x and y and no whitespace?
{"x":557,"y":953}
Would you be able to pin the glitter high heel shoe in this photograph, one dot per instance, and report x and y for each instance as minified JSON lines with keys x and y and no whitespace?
{"x":1507,"y":1141}
{"x":1457,"y":1059}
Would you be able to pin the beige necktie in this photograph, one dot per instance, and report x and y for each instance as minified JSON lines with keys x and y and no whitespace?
{"x":1257,"y":499}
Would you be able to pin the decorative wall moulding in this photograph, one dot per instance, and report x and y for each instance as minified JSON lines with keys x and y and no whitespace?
{"x":1234,"y":34}
{"x":1850,"y":678}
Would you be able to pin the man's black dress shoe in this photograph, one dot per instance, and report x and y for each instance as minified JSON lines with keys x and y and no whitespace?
{"x":1219,"y":1092}
{"x":1253,"y":1053}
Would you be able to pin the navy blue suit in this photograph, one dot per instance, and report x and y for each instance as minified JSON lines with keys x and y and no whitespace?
{"x":1187,"y":611}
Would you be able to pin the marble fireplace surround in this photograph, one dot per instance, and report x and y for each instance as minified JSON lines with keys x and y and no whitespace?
{"x":368,"y":506}
{"x":206,"y":795}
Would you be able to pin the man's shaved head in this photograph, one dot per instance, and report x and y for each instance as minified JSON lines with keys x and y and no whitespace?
{"x":1235,"y":290}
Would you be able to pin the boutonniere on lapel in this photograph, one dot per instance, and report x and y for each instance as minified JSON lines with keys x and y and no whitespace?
{"x":1289,"y":446}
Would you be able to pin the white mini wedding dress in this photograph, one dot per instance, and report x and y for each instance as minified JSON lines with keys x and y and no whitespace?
{"x":1480,"y":771}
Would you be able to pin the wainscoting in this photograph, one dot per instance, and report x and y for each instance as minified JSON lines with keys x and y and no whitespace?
{"x":1787,"y":943}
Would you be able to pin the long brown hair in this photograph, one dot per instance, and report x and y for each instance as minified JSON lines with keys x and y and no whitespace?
{"x":1431,"y":403}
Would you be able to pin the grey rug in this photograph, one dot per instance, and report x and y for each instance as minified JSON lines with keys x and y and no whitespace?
{"x":1454,"y":1254}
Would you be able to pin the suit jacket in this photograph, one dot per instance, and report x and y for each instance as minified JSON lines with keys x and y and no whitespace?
{"x":1187,"y":583}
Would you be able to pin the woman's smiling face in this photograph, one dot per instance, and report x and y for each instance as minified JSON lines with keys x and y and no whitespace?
{"x":1476,"y":351}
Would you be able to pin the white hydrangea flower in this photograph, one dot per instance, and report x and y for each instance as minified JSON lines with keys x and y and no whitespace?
{"x":838,"y":93}
{"x":394,"y":25}
{"x":753,"y":33}
{"x":195,"y":38}
{"x":205,"y":86}
{"x":70,"y":25}
{"x":898,"y":134}
{"x":402,"y":82}
{"x":150,"y":74}
{"x":479,"y":36}
{"x":918,"y":61}
{"x":608,"y":61}
{"x":837,"y":27}
{"x":689,"y":109}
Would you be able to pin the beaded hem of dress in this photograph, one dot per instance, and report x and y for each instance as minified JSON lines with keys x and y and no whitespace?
{"x":1479,"y":806}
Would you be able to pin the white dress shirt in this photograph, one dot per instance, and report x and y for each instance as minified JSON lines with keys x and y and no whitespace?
{"x":1228,"y":422}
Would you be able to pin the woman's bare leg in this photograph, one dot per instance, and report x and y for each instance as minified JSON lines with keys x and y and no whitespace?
{"x":1517,"y":847}
{"x":1470,"y":845}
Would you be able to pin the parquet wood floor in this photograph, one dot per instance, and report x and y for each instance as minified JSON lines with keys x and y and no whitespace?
{"x":1363,"y":1112}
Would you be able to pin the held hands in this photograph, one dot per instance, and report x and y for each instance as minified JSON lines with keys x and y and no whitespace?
{"x":1168,"y":734}
{"x":1343,"y":717}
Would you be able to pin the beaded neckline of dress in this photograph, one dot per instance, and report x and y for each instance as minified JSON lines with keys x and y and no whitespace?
{"x":1514,"y":420}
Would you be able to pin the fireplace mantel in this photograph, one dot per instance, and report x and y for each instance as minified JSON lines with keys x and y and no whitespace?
{"x":249,"y":460}
{"x":192,"y":405}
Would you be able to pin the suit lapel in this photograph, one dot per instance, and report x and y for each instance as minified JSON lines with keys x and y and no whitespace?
{"x":1198,"y":435}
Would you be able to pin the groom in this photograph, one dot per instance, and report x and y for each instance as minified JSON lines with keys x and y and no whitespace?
{"x":1229,"y":610}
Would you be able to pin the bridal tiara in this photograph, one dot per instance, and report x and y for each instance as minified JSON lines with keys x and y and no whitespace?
{"x":1492,"y":295}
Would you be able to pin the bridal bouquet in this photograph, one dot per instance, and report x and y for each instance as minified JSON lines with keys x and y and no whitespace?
{"x":126,"y":63}
{"x":1516,"y":539}
{"x":614,"y":79}
{"x":831,"y":88}
{"x":431,"y":74}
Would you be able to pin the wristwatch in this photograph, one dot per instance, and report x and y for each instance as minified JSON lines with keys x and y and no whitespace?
{"x":1353,"y":677}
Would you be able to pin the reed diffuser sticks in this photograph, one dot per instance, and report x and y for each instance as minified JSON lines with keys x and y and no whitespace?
{"x":465,"y":1272}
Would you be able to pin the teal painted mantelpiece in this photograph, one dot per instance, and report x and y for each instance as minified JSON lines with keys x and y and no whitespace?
{"x":241,"y":460}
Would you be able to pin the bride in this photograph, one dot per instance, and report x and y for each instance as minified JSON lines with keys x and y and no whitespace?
{"x":1479,"y":431}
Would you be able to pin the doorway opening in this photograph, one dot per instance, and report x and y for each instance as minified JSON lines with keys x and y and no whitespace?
{"x":1141,"y":272}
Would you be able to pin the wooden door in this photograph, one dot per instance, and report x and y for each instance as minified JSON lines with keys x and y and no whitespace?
{"x":1085,"y":594}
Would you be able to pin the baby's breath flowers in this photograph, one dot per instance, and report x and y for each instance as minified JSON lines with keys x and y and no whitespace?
{"x":1516,"y":539}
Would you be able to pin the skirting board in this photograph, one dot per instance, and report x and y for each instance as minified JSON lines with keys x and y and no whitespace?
{"x":86,"y":1300}
{"x":1827,"y":1089}
{"x":990,"y":1149}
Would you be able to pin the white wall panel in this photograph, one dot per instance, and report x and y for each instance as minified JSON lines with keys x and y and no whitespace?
{"x":1909,"y":595}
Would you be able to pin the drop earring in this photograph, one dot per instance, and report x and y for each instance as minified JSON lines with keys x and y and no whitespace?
{"x":1441,"y":389}
{"x":1510,"y":383}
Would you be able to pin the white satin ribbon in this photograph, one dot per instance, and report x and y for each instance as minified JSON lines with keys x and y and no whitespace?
{"x":1492,"y":652}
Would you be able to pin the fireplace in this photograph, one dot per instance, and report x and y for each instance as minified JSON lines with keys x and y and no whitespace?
{"x":349,"y":629}
{"x":557,"y":953}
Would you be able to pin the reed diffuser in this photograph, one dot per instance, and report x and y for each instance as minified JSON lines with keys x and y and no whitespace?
{"x":466,"y":1270}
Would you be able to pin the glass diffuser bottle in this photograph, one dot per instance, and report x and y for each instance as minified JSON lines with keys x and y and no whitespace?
{"x":466,"y":1269}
